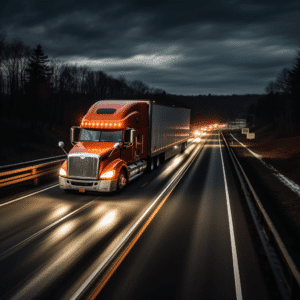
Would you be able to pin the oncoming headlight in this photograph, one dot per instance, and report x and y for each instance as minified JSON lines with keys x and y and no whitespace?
{"x":107,"y":175}
{"x":62,"y":172}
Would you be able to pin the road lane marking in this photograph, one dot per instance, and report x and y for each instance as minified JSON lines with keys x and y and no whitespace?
{"x":127,"y":250}
{"x":238,"y":288}
{"x":27,"y":240}
{"x":126,"y":238}
{"x":14,"y":200}
{"x":48,"y":188}
{"x":286,"y":181}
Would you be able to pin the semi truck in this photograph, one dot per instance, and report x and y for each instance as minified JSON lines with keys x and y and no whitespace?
{"x":118,"y":140}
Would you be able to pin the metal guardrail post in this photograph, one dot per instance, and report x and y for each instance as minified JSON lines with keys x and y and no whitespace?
{"x":36,"y":179}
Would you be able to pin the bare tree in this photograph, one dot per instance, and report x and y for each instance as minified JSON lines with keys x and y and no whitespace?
{"x":282,"y":83}
{"x":90,"y":84}
{"x":140,"y":89}
{"x":56,"y":66}
{"x":101,"y":80}
{"x":2,"y":48}
{"x":38,"y":85}
{"x":2,"y":44}
{"x":294,"y":77}
{"x":83,"y":71}
{"x":14,"y":61}
{"x":294,"y":84}
{"x":271,"y":87}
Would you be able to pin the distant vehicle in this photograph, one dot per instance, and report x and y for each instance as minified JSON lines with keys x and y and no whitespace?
{"x":197,"y":133}
{"x":118,"y":140}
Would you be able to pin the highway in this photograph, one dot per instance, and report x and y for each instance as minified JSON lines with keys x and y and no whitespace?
{"x":198,"y":244}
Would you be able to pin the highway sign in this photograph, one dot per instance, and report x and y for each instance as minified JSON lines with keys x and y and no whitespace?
{"x":245,"y":130}
{"x":250,"y":136}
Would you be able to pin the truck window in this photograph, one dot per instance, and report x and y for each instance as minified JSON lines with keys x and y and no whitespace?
{"x":100,"y":136}
{"x":89,"y":135}
{"x":111,"y":136}
{"x":127,"y":136}
{"x":106,"y":111}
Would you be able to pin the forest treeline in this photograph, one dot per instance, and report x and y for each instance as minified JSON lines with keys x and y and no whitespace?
{"x":280,"y":107}
{"x":39,"y":92}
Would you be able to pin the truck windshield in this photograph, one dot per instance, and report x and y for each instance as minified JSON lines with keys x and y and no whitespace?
{"x":100,"y":136}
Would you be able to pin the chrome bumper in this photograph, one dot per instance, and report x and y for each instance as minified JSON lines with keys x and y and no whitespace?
{"x":88,"y":185}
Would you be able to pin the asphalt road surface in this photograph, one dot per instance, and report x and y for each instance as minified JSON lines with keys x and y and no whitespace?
{"x":197,"y":246}
{"x":188,"y":251}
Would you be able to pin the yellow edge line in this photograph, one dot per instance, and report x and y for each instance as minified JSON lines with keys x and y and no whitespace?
{"x":126,"y":251}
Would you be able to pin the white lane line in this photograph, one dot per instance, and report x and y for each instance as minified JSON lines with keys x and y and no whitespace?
{"x":43,"y":230}
{"x":238,"y":288}
{"x":286,"y":181}
{"x":14,"y":200}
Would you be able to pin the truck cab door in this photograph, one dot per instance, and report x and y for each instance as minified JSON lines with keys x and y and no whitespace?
{"x":128,"y":150}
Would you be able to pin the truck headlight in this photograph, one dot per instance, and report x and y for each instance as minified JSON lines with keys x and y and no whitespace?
{"x":62,"y":172}
{"x":107,"y":175}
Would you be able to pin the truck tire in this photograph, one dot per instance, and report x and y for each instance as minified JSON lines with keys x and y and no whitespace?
{"x":122,"y":181}
{"x":183,"y":147}
{"x":156,"y":161}
{"x":150,"y":165}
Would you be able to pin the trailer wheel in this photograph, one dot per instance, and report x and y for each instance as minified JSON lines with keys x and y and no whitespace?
{"x":156,"y":165}
{"x":150,"y":165}
{"x":122,"y":181}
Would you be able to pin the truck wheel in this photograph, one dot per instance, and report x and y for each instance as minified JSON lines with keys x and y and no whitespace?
{"x":156,"y":158}
{"x":183,"y":147}
{"x":122,"y":181}
{"x":150,"y":165}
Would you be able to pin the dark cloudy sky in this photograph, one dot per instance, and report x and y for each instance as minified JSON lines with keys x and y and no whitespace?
{"x":184,"y":47}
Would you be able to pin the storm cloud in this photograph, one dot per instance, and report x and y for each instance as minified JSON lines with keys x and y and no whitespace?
{"x":182,"y":47}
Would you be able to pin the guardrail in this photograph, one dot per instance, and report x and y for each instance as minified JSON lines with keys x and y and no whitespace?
{"x":10,"y":175}
{"x":283,"y":267}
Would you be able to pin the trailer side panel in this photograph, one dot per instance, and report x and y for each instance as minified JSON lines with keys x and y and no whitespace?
{"x":170,"y":126}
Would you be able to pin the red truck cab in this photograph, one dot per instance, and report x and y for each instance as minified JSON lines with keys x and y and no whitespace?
{"x":112,"y":147}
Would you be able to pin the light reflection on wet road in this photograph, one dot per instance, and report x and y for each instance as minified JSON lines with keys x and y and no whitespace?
{"x":51,"y":241}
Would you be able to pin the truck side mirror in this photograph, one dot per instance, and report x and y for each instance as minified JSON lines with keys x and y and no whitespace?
{"x":117,"y":145}
{"x":129,"y":137}
{"x":75,"y":134}
{"x":61,"y":145}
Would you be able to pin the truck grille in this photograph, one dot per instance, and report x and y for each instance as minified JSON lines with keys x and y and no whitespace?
{"x":83,"y":165}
